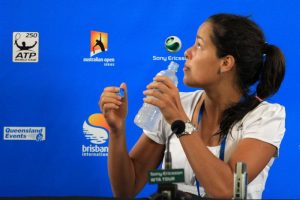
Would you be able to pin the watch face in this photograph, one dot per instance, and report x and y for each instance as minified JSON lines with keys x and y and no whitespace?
{"x":189,"y":127}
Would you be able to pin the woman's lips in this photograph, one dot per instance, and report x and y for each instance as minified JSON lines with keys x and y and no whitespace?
{"x":186,"y":68}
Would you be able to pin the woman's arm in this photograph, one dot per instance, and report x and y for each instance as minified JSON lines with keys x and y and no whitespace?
{"x":215,"y":175}
{"x":146,"y":155}
{"x":127,"y":172}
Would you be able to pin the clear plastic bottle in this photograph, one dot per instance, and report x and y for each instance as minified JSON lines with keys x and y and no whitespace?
{"x":149,"y":116}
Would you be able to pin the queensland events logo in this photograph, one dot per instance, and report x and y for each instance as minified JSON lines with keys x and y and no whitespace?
{"x":24,"y":133}
{"x":96,"y":131}
{"x":99,"y":49}
{"x":25,"y":47}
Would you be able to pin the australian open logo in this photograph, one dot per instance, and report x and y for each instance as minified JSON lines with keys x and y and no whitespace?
{"x":99,"y":49}
{"x":96,"y":131}
{"x":99,"y":42}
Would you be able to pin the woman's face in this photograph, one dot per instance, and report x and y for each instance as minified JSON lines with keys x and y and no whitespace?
{"x":202,"y":66}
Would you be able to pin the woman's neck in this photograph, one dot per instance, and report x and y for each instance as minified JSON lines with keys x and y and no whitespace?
{"x":216,"y":101}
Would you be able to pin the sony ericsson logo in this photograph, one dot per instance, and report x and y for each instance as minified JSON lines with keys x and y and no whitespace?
{"x":24,"y":133}
{"x":96,"y":130}
{"x":173,"y":44}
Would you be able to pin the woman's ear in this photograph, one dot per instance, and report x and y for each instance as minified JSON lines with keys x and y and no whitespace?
{"x":227,"y":63}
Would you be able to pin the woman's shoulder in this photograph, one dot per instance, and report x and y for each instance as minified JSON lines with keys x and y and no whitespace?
{"x":266,"y":123}
{"x":265,"y":112}
{"x":268,"y":109}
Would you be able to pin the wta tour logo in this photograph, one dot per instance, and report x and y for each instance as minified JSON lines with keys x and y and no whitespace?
{"x":25,"y":47}
{"x":96,"y":130}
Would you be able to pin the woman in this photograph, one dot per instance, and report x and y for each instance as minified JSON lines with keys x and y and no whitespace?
{"x":230,"y":54}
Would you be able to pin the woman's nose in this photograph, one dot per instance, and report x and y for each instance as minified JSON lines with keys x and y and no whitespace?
{"x":187,"y":53}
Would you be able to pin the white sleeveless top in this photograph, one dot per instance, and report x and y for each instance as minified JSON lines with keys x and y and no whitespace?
{"x":266,"y":123}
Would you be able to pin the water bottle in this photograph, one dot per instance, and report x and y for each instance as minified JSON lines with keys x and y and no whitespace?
{"x":149,"y":116}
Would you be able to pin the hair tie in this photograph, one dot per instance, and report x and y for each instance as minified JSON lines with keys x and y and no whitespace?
{"x":265,"y":48}
{"x":259,"y":99}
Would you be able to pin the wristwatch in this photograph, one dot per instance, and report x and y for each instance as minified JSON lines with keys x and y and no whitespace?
{"x":189,"y":129}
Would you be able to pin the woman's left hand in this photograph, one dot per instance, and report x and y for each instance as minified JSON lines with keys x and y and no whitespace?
{"x":166,"y":97}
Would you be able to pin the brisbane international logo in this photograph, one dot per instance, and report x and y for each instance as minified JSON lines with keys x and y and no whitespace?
{"x":96,"y":131}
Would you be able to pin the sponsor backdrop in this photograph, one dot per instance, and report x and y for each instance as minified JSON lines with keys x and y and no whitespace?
{"x":57,"y":56}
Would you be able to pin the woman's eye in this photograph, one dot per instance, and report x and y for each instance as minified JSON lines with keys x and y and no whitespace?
{"x":198,"y":45}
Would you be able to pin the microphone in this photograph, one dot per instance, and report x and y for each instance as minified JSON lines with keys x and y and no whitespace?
{"x":177,"y":127}
{"x":168,"y":190}
{"x":240,"y":181}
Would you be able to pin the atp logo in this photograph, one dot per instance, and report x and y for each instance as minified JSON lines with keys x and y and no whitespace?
{"x":25,"y":47}
{"x":99,"y":42}
{"x":96,"y":129}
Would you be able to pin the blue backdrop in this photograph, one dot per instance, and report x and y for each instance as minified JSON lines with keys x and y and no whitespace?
{"x":59,"y":94}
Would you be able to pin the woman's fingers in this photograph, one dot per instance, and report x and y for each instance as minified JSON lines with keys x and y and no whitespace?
{"x":109,"y":106}
{"x":113,"y":100}
{"x":110,"y":98}
{"x":163,"y":84}
{"x":111,"y":89}
{"x":154,"y":101}
{"x":160,"y":89}
{"x":166,"y":80}
{"x":159,"y":86}
{"x":154,"y":93}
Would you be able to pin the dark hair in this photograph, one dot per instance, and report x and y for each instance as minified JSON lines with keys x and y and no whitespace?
{"x":256,"y":63}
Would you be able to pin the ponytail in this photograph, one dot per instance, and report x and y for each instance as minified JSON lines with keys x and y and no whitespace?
{"x":272,"y":71}
{"x":236,"y":112}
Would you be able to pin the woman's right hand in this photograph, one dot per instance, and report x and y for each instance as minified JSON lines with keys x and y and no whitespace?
{"x":114,"y":107}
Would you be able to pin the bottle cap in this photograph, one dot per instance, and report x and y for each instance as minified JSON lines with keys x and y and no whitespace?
{"x":173,"y":66}
{"x":121,"y":92}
